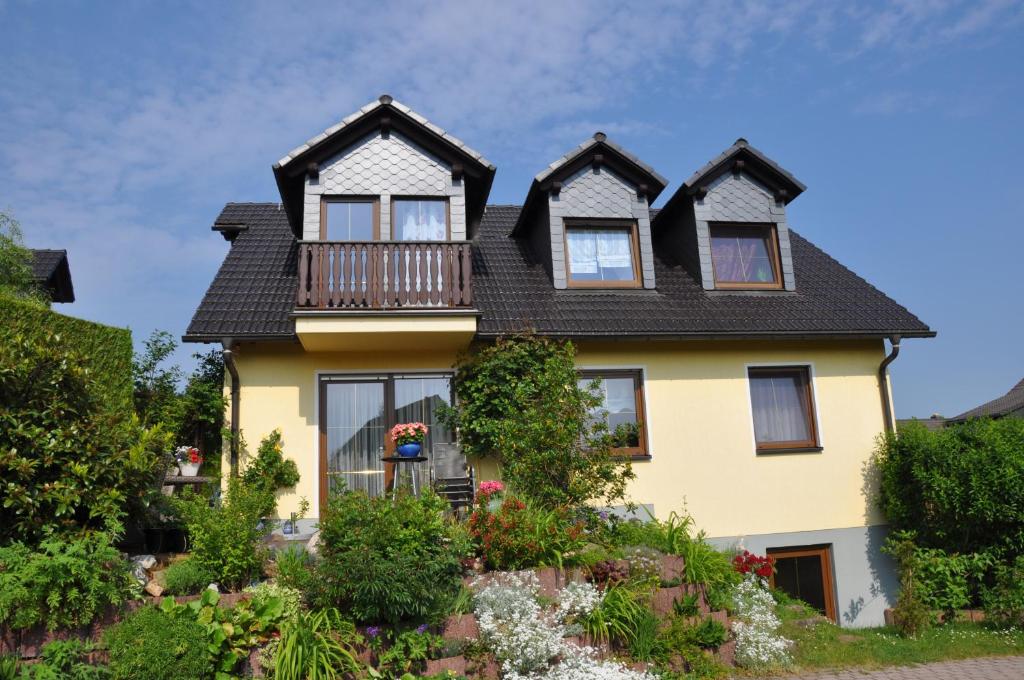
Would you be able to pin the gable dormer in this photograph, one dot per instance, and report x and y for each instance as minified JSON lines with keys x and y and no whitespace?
{"x":727,"y":223}
{"x":384,"y":173}
{"x":587,"y":217}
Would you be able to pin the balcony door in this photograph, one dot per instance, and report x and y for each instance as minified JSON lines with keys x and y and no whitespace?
{"x":356,"y":413}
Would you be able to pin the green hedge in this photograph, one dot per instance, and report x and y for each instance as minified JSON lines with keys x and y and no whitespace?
{"x":106,"y":351}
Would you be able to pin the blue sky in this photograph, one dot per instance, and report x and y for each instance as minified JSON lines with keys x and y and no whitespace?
{"x":124,"y":127}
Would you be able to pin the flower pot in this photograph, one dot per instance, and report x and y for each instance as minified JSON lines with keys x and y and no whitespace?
{"x":410,"y":450}
{"x":173,"y":471}
{"x":189,"y":469}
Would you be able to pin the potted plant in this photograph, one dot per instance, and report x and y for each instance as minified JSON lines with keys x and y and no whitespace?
{"x":408,"y":438}
{"x":189,"y":460}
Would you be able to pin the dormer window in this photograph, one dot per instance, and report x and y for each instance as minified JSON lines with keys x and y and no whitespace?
{"x":420,"y":219}
{"x":347,"y":218}
{"x":602,"y":254}
{"x":745,"y":256}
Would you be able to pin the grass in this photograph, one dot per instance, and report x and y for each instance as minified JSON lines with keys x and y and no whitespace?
{"x":826,"y":646}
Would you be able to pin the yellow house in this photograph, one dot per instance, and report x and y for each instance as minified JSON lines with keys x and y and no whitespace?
{"x":750,"y":366}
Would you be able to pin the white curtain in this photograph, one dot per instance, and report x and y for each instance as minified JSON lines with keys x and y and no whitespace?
{"x":613,"y":249}
{"x":780,"y":410}
{"x":582,"y":252}
{"x":421,"y":220}
{"x":354,"y":420}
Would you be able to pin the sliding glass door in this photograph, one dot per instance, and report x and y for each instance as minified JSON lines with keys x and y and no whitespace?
{"x":356,"y":413}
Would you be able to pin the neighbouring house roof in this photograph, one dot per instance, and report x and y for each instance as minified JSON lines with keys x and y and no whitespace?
{"x":1009,"y":403}
{"x":253,"y":293}
{"x":934,"y":423}
{"x":50,"y":271}
{"x":384,"y":113}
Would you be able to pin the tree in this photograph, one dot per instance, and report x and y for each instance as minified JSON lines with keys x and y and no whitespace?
{"x":16,"y":263}
{"x":193,"y":414}
{"x":520,"y":400}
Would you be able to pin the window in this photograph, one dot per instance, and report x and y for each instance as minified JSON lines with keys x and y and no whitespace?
{"x":344,"y":218}
{"x":806,"y":574}
{"x":602,"y":256}
{"x":420,"y":219}
{"x":621,"y":409}
{"x":745,"y":256}
{"x":783,"y":408}
{"x":356,"y":414}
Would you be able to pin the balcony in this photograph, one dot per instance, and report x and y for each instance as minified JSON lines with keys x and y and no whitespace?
{"x":384,"y":275}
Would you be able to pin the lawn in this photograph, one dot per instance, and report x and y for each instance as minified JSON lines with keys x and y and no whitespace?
{"x":827,"y":646}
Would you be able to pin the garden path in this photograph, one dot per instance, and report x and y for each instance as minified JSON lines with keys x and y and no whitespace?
{"x":985,"y":668}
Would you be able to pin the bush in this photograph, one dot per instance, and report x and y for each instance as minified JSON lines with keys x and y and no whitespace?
{"x":294,"y":568}
{"x":387,"y":561}
{"x":961,"y":489}
{"x":66,"y":583}
{"x":155,"y":645}
{"x":65,"y":462}
{"x":270,"y":470}
{"x":911,"y":615}
{"x":104,"y":351}
{"x":519,"y":399}
{"x":1004,"y":601}
{"x":227,"y":540}
{"x":64,"y":660}
{"x":187,"y":577}
{"x":519,"y":534}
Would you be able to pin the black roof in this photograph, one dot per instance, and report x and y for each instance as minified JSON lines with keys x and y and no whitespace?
{"x":253,"y":293}
{"x":50,"y":271}
{"x":1010,"y":402}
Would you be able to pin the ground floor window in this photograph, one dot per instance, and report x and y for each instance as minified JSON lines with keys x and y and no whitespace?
{"x":622,"y":407}
{"x":806,"y":574}
{"x":355,"y":415}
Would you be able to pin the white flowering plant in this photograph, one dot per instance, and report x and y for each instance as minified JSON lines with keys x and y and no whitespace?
{"x":756,"y":628}
{"x":529,"y":641}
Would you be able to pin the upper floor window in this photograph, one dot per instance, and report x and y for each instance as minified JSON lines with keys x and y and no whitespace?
{"x":783,"y":408}
{"x":420,"y":219}
{"x":621,"y":408}
{"x":745,"y":256}
{"x":602,"y":255}
{"x":347,"y":218}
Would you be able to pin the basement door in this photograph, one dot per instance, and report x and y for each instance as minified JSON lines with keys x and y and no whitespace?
{"x":806,"y":574}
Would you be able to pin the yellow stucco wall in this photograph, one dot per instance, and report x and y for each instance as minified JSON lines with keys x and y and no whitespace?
{"x":699,"y":426}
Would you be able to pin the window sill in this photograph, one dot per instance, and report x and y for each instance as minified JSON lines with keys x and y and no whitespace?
{"x":790,"y":449}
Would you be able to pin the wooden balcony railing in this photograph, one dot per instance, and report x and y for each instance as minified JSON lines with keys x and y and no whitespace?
{"x":384,"y":274}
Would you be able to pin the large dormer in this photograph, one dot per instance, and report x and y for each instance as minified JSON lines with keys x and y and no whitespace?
{"x":587,"y":217}
{"x":384,"y":173}
{"x":727,"y":223}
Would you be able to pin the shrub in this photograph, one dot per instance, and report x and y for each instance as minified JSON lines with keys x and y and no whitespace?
{"x":616,"y":617}
{"x":950,"y":582}
{"x":64,"y":584}
{"x":519,"y":399}
{"x":152,"y":644}
{"x":187,"y":577}
{"x":911,"y":615}
{"x":961,"y":489}
{"x":104,"y":351}
{"x":405,"y":653}
{"x":65,"y":462}
{"x":270,"y":470}
{"x":64,"y":660}
{"x":387,"y":561}
{"x":1004,"y":601}
{"x":520,"y":534}
{"x":227,"y":540}
{"x":294,"y":568}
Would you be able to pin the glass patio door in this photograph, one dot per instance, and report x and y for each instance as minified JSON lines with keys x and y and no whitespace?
{"x":356,"y":414}
{"x":353,"y":435}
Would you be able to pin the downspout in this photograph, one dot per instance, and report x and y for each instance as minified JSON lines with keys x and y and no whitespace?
{"x":883,"y":383}
{"x":229,"y":363}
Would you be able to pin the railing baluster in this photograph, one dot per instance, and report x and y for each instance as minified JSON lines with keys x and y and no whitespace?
{"x":383,"y":275}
